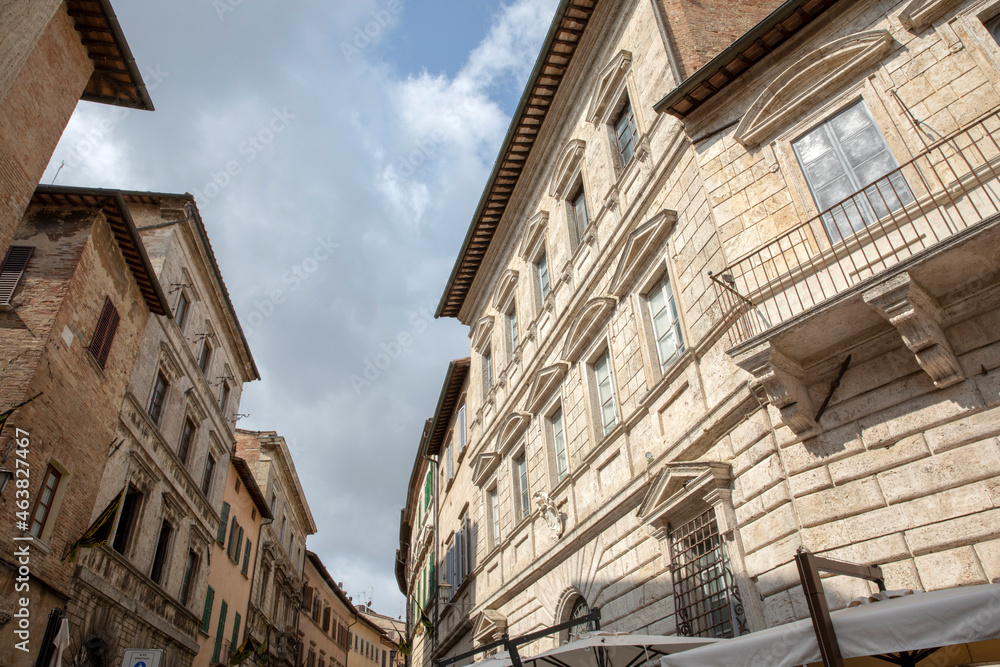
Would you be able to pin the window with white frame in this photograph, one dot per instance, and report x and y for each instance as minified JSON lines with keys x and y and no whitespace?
{"x":542,"y":275}
{"x":558,"y":431}
{"x":665,"y":322}
{"x":450,"y":460}
{"x":521,"y":504}
{"x":460,"y":427}
{"x":605,"y":392}
{"x":511,"y":319}
{"x":851,"y":172}
{"x":493,"y":517}
{"x":625,"y":133}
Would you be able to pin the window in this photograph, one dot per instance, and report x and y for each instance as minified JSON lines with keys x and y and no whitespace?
{"x":206,"y":356}
{"x":190,"y":570}
{"x":206,"y":480}
{"x":180,"y":313}
{"x":316,"y":609}
{"x":104,"y":333}
{"x":993,"y":26}
{"x":12,"y":270}
{"x":580,"y":609}
{"x":487,"y":370}
{"x":235,"y":642}
{"x":224,"y":397}
{"x":274,"y":499}
{"x":542,"y":272}
{"x":187,"y":435}
{"x":666,"y":324}
{"x":127,"y":520}
{"x":605,"y":392}
{"x":705,"y":594}
{"x":625,"y":133}
{"x":461,"y":428}
{"x":159,"y":396}
{"x":218,"y":632}
{"x":43,"y":506}
{"x":521,"y":487}
{"x":246,"y":556}
{"x":512,"y":327}
{"x":559,"y":445}
{"x":581,"y":219}
{"x":161,"y":552}
{"x":493,"y":512}
{"x":206,"y":615}
{"x":326,"y":619}
{"x":451,"y":465}
{"x":845,"y":155}
{"x":281,"y":535}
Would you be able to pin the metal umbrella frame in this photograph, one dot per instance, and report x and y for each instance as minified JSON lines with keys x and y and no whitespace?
{"x":601,"y":649}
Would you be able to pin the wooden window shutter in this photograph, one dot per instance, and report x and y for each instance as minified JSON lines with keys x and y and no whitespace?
{"x":12,"y":269}
{"x":223,"y":522}
{"x":104,"y":333}
{"x":206,"y":615}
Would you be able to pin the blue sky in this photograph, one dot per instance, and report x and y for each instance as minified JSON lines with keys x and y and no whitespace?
{"x":391,"y":115}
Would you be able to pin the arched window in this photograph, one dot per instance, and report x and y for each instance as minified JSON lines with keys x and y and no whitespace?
{"x":580,"y":609}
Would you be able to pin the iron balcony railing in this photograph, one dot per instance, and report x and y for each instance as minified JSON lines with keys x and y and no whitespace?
{"x":950,"y":186}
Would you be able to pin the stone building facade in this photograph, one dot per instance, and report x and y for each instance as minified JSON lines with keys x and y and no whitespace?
{"x":368,"y":644}
{"x":325,"y":618}
{"x":47,"y":64}
{"x":78,"y":292}
{"x":393,"y":631}
{"x":278,"y":580}
{"x":234,"y":555}
{"x":170,"y":450}
{"x":720,"y":309}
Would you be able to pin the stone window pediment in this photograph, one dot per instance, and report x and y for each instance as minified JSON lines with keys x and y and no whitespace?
{"x":681,"y":491}
{"x":810,"y":80}
{"x":482,"y":332}
{"x":505,"y":291}
{"x":486,"y":464}
{"x":512,"y":428}
{"x":641,"y":247}
{"x":584,"y":328}
{"x":919,"y":14}
{"x":489,"y":626}
{"x":569,"y":167}
{"x":534,"y":236}
{"x":544,"y":383}
{"x":611,"y":84}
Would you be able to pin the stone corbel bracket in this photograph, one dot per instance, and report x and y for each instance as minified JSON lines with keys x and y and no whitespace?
{"x":917,"y":317}
{"x":782,"y":380}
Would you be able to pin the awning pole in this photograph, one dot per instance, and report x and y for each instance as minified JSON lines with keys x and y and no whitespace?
{"x":809,"y":566}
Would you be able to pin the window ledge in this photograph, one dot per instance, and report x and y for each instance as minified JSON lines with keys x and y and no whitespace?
{"x":669,"y":374}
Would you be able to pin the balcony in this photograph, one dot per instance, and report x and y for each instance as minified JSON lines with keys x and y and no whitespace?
{"x":947,"y":190}
{"x":907,"y":250}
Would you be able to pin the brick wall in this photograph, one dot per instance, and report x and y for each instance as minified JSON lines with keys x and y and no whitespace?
{"x":34,"y":112}
{"x":43,"y":343}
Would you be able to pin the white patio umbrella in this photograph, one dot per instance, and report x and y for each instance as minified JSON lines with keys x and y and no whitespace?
{"x":601,"y":649}
{"x":501,"y":659}
{"x":964,"y":622}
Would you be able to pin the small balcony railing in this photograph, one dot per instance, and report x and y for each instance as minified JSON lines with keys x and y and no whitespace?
{"x":949,"y":187}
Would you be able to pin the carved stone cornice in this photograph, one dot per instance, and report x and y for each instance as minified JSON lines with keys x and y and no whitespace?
{"x":782,"y":379}
{"x":917,"y":317}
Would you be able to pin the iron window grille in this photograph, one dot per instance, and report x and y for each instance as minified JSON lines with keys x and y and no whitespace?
{"x":706,"y":597}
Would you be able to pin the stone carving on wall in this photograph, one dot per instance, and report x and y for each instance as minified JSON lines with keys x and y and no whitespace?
{"x":550,"y":513}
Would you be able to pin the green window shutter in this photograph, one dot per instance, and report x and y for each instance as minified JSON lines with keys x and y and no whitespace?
{"x":221,"y":537}
{"x":206,"y":616}
{"x":246,"y":557}
{"x":218,"y":633}
{"x":233,"y":645}
{"x":239,"y":545}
